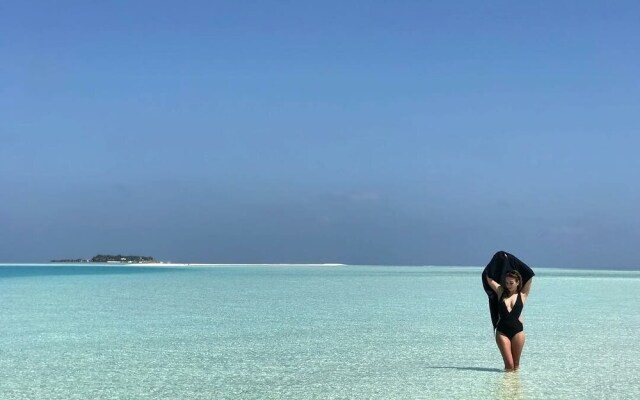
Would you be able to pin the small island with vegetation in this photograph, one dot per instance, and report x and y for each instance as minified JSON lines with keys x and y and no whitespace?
{"x":108,"y":258}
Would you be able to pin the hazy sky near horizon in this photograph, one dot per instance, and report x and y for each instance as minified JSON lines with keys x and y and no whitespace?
{"x":372,"y":132}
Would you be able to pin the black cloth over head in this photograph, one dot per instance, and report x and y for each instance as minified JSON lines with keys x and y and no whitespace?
{"x":501,"y":263}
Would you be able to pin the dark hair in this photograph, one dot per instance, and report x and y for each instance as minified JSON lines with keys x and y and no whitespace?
{"x":515,"y":275}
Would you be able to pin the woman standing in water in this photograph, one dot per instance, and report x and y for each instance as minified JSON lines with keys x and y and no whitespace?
{"x":509,"y":329}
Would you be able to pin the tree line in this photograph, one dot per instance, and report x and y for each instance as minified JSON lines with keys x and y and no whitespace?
{"x":121,"y":258}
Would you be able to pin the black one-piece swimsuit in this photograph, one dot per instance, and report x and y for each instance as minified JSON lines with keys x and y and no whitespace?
{"x":509,"y":324}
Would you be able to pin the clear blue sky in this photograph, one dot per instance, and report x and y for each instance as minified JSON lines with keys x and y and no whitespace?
{"x":380,"y":132}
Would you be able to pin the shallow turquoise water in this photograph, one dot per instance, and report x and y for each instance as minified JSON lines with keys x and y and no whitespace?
{"x":309,"y":332}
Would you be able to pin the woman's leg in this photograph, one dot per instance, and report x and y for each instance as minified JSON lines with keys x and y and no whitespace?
{"x":504,"y":344}
{"x":517,"y":343}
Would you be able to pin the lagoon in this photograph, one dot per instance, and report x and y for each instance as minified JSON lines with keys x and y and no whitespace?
{"x":283,"y":332}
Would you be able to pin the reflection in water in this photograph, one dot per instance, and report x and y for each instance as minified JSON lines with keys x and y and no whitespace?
{"x":510,"y":386}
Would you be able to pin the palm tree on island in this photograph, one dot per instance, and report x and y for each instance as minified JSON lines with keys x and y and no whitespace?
{"x":108,"y":258}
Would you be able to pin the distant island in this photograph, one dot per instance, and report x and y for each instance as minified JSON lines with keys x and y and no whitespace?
{"x":108,"y":258}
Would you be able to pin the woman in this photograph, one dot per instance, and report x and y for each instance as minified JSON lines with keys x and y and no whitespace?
{"x":509,"y":329}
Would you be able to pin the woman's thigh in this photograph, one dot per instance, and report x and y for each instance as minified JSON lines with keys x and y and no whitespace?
{"x":517,"y":344}
{"x":504,"y":344}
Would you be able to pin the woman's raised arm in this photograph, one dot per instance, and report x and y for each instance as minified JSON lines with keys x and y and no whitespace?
{"x":526,"y":288}
{"x":495,"y":286}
